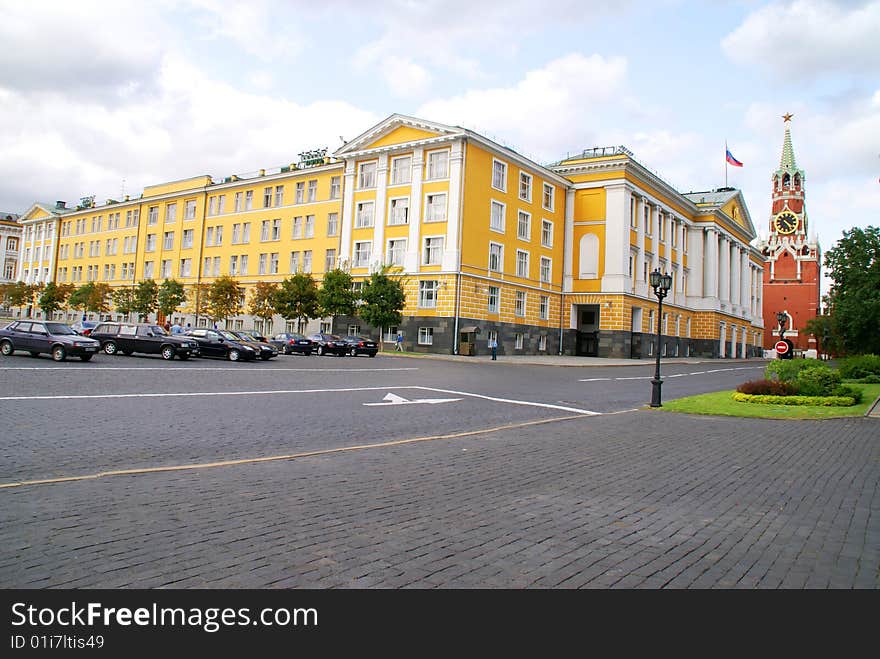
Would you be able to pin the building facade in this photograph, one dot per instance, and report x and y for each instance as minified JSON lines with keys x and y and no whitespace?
{"x":792,"y":272}
{"x":10,"y":240}
{"x":547,"y":260}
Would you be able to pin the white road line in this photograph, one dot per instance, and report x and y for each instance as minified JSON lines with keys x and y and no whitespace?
{"x":678,"y":375}
{"x":512,"y":401}
{"x":198,"y":368}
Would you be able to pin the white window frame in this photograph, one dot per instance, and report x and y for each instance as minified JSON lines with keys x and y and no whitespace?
{"x":367,"y":172}
{"x":360,"y":221}
{"x":426,"y":336}
{"x":544,"y":307}
{"x":525,"y":178}
{"x":393,"y":250}
{"x":429,"y":292}
{"x":546,"y":269}
{"x":519,"y":263}
{"x":357,"y":259}
{"x":504,"y":168}
{"x":493,"y":293}
{"x":500,"y":264}
{"x":430,"y":170}
{"x":548,"y":187}
{"x":545,"y":223}
{"x":395,"y":204}
{"x":430,"y":208}
{"x":520,"y":234}
{"x":435,"y":250}
{"x":519,"y":304}
{"x":494,"y":203}
{"x":401,"y":174}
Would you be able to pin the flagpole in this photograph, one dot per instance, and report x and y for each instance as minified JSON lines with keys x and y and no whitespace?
{"x":725,"y":163}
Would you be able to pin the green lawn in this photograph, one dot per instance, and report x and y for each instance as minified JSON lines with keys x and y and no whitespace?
{"x":721,"y":403}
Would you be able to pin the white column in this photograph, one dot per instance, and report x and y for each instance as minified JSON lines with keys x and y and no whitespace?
{"x":745,"y":281}
{"x":745,"y":344}
{"x":52,"y":247}
{"x":451,"y":252}
{"x":568,"y":245}
{"x":710,"y":267}
{"x":378,"y":253}
{"x":696,"y":245}
{"x":733,"y":341}
{"x":722,"y":340}
{"x":615,"y":278}
{"x":411,"y":260}
{"x":346,"y":219}
{"x":734,"y":274}
{"x":642,"y":286}
{"x":724,"y":270}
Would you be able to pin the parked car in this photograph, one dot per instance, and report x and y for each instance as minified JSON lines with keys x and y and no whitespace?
{"x":56,"y":339}
{"x":220,"y":343}
{"x":361,"y":345}
{"x":329,"y":344}
{"x":254,"y":333}
{"x":146,"y":338}
{"x":84,"y":327}
{"x":264,"y":351}
{"x":290,"y":342}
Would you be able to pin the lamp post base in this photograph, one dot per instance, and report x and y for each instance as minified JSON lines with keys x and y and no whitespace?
{"x":656,"y":386}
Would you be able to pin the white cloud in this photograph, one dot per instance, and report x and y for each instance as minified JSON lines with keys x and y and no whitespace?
{"x":404,"y":77}
{"x":805,"y":38}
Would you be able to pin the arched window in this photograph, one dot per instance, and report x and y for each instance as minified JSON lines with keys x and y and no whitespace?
{"x":589,"y":257}
{"x":786,"y":181}
{"x":797,"y":181}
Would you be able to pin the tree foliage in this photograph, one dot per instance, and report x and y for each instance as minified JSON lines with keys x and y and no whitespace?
{"x":854,"y":302}
{"x":53,"y":298}
{"x":124,"y":299}
{"x":383,"y":301}
{"x":224,"y":298}
{"x":336,"y":298}
{"x":90,"y":297}
{"x":18,"y":294}
{"x":170,"y":296}
{"x":262,"y":302}
{"x":297,"y":297}
{"x":145,"y":297}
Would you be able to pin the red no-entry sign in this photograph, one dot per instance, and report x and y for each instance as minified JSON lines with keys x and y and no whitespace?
{"x":781,"y":347}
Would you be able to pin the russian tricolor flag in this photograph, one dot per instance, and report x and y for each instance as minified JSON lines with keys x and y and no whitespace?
{"x":733,"y":161}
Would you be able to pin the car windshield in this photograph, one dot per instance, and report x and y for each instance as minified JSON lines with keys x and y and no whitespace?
{"x":246,"y":336}
{"x":59,"y":328}
{"x":229,"y":335}
{"x":158,"y":331}
{"x":296,"y":336}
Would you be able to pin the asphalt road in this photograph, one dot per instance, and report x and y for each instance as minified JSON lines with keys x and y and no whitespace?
{"x":387,"y":472}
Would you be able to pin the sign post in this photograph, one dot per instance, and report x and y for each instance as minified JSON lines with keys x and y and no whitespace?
{"x":784,"y":349}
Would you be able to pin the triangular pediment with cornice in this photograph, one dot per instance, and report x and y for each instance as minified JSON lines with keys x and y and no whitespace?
{"x":396,"y":130}
{"x":37,"y":212}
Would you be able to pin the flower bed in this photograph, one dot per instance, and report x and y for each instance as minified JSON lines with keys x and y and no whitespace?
{"x":816,"y":401}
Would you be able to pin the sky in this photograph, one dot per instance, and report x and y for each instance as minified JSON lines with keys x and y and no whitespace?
{"x":105,"y":98}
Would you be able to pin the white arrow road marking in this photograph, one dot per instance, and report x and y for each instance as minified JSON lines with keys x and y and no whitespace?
{"x":394,"y":399}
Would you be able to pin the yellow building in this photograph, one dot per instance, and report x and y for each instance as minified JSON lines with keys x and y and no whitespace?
{"x":489,"y":244}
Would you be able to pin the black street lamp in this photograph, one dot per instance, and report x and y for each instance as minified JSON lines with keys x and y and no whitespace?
{"x":661,"y":283}
{"x":782,"y":318}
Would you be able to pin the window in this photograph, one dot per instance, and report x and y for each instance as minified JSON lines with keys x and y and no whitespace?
{"x":238,"y":200}
{"x":279,"y":195}
{"x":398,"y":212}
{"x":646,"y":212}
{"x":310,"y":226}
{"x":544,"y":307}
{"x":396,"y":251}
{"x":542,"y":343}
{"x":499,"y":175}
{"x":300,"y":193}
{"x":298,"y":227}
{"x":496,"y":257}
{"x":401,"y":170}
{"x":362,"y":254}
{"x":492,"y":300}
{"x":152,"y":216}
{"x":549,"y":196}
{"x":633,"y":216}
{"x":171,"y":213}
{"x":187,"y":239}
{"x":522,"y":263}
{"x":428,"y":294}
{"x":273,"y":263}
{"x":246,"y":232}
{"x":189,"y":210}
{"x":233,"y":265}
{"x":525,"y":186}
{"x":243,"y":260}
{"x":236,"y":234}
{"x":519,"y":304}
{"x":649,"y":221}
{"x":166,"y":269}
{"x":329,"y":260}
{"x":518,"y":341}
{"x":438,"y":164}
{"x":426,"y":336}
{"x":248,"y":200}
{"x":169,"y":240}
{"x":218,"y":236}
{"x":148,"y":269}
{"x":185,"y":267}
{"x":588,"y":257}
{"x":496,"y":216}
{"x":546,"y":268}
{"x":364,"y":217}
{"x":307,"y":261}
{"x":267,"y":197}
{"x":435,"y":207}
{"x":367,"y":175}
{"x":335,"y":185}
{"x":523,"y":226}
{"x":294,"y":262}
{"x":546,"y":233}
{"x":261,"y":269}
{"x":673,"y":225}
{"x":661,"y":226}
{"x":433,"y":253}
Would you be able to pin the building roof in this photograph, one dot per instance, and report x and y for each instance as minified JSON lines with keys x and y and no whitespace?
{"x":717,"y":197}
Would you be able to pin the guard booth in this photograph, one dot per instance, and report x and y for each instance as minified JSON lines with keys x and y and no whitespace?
{"x":467,"y":340}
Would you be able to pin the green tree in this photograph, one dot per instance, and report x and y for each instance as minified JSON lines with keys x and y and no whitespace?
{"x":224,"y":298}
{"x":822,"y":328}
{"x":146,"y":298}
{"x":200,"y":296}
{"x":262,"y":302}
{"x":90,"y":297}
{"x":18,"y":294}
{"x":383,"y":301}
{"x":52,"y":299}
{"x":336,"y":297}
{"x":124,"y":299}
{"x":297,"y":297}
{"x":170,"y":296}
{"x":853,"y":301}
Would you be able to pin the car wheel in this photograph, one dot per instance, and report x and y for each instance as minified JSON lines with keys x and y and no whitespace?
{"x":59,"y":354}
{"x":110,"y":348}
{"x":167,"y":353}
{"x":320,"y":351}
{"x":234,"y":355}
{"x":353,"y":353}
{"x":86,"y":358}
{"x":6,"y":348}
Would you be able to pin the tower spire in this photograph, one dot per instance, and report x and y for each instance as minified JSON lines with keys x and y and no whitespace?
{"x":787,"y":161}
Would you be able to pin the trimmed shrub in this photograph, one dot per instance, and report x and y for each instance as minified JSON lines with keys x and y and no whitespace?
{"x":845,"y":390}
{"x":767,"y":388}
{"x":870,"y":379}
{"x":861,"y":366}
{"x":786,"y":370}
{"x":816,"y":379}
{"x":812,"y":401}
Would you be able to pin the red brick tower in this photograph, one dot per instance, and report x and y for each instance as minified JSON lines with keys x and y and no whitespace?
{"x":792,"y":271}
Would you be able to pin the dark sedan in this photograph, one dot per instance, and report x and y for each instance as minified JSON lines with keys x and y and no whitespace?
{"x":56,"y":339}
{"x":290,"y":342}
{"x":129,"y":338}
{"x":265,"y":351}
{"x":361,"y":345}
{"x":329,"y":344}
{"x":220,"y":343}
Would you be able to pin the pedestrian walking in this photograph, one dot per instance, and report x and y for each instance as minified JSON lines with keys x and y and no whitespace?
{"x":399,"y":347}
{"x":176,"y":328}
{"x":493,"y":346}
{"x":167,"y":326}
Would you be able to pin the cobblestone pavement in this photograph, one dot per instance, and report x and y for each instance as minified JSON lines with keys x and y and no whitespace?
{"x":642,"y":499}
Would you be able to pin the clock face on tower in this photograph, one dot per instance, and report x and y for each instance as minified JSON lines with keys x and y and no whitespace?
{"x":786,"y":222}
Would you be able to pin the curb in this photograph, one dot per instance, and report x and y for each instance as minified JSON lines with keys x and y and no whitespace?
{"x":874,"y":410}
{"x":595,"y":361}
